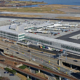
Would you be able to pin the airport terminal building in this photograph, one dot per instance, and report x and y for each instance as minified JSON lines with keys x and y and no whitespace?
{"x":17,"y":32}
{"x":11,"y":32}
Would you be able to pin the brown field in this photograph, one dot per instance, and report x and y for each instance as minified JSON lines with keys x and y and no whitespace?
{"x":70,"y":18}
{"x":19,"y":15}
{"x":58,"y":9}
{"x":42,"y":75}
{"x":21,"y":76}
{"x":40,"y":9}
{"x":26,"y":2}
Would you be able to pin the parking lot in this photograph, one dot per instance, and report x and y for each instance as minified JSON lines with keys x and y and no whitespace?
{"x":4,"y":74}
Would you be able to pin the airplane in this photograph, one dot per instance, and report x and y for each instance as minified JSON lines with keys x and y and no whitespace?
{"x":51,"y":26}
{"x":52,"y":29}
{"x":62,"y":27}
{"x":74,"y":25}
{"x":13,"y":20}
{"x":57,"y":24}
{"x":55,"y":33}
{"x":64,"y":30}
{"x":69,"y":25}
{"x":44,"y":32}
{"x":56,"y":29}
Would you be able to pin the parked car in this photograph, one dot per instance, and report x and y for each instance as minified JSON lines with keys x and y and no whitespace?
{"x":28,"y":50}
{"x":11,"y":74}
{"x":7,"y":48}
{"x":55,"y":56}
{"x":75,"y":60}
{"x":64,"y":79}
{"x":17,"y":52}
{"x":6,"y":72}
{"x":41,"y":52}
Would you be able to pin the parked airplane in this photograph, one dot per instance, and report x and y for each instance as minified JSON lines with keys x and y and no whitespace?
{"x":64,"y":30}
{"x":45,"y":32}
{"x":52,"y":29}
{"x":55,"y":33}
{"x":13,"y":20}
{"x":62,"y":27}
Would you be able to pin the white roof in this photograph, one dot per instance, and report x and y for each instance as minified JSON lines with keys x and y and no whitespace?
{"x":52,"y":40}
{"x":57,"y":24}
{"x":14,"y":29}
{"x":13,"y":26}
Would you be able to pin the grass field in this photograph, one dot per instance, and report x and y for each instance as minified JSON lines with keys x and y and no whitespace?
{"x":23,"y":67}
{"x":26,"y":2}
{"x":40,"y":9}
{"x":19,"y":15}
{"x":70,"y":18}
{"x":21,"y":76}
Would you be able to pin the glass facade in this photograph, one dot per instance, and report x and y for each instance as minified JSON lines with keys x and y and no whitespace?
{"x":9,"y":36}
{"x":38,"y":40}
{"x":70,"y":48}
{"x":21,"y":37}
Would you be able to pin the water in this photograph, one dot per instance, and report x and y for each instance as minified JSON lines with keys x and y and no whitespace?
{"x":64,"y":2}
{"x":30,"y":6}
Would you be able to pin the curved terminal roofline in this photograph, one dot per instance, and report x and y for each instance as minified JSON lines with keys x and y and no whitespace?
{"x":52,"y":40}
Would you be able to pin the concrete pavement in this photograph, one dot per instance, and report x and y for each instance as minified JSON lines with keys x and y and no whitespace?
{"x":7,"y":75}
{"x":43,"y":15}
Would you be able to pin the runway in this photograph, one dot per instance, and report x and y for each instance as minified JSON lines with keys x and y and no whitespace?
{"x":46,"y":16}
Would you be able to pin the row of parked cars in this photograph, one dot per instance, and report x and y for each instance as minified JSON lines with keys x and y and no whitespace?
{"x":9,"y":74}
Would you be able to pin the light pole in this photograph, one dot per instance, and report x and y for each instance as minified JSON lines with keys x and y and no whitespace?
{"x":30,"y":55}
{"x":66,"y":56}
{"x":60,"y":64}
{"x":59,"y":59}
{"x":49,"y":58}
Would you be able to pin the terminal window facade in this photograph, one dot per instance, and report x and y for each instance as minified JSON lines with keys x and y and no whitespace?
{"x":21,"y":35}
{"x":71,"y":48}
{"x":38,"y":40}
{"x":8,"y":35}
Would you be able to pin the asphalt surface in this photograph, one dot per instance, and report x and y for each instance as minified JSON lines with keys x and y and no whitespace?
{"x":71,"y":61}
{"x":37,"y":57}
{"x":46,"y":16}
{"x":40,"y":68}
{"x":7,"y":75}
{"x":67,"y":37}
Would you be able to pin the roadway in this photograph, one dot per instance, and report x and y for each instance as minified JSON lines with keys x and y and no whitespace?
{"x":21,"y":49}
{"x":25,"y":72}
{"x":77,"y":63}
{"x":33,"y":55}
{"x":39,"y":68}
{"x":36,"y":56}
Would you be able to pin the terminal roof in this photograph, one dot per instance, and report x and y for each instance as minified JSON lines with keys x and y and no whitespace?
{"x":49,"y":39}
